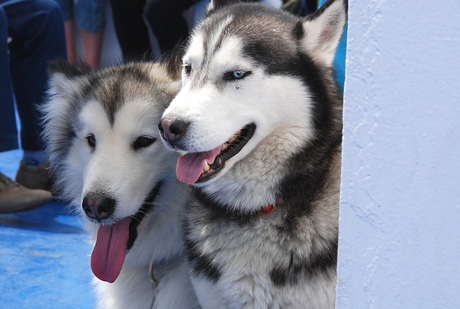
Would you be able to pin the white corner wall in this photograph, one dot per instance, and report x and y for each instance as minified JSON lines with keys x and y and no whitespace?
{"x":399,"y":243}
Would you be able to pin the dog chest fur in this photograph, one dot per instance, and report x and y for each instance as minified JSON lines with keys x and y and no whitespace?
{"x":281,"y":263}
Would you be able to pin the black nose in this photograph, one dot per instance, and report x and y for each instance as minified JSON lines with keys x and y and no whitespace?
{"x":98,"y":207}
{"x":172,"y":129}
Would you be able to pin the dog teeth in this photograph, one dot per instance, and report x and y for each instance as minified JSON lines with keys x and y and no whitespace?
{"x":232,"y":139}
{"x":206,"y":167}
{"x":224,"y":146}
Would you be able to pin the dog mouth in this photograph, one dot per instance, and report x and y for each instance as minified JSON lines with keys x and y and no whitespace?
{"x":202,"y":166}
{"x":147,"y":207}
{"x":114,"y":241}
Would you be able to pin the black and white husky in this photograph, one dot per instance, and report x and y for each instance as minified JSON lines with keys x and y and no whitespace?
{"x":258,"y":122}
{"x":102,"y":138}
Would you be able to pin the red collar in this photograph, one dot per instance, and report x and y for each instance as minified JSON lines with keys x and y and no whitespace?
{"x":269,"y":208}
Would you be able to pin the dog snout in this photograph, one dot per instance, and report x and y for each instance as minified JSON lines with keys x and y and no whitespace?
{"x":98,"y":207}
{"x":172,"y":130}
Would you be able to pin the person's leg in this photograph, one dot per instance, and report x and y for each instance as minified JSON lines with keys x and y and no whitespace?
{"x":93,"y":46}
{"x":67,"y":8}
{"x":8,"y":129}
{"x":37,"y":31}
{"x":167,"y":22}
{"x":90,"y":16}
{"x":13,"y":196}
{"x":132,"y":33}
{"x":69,"y":26}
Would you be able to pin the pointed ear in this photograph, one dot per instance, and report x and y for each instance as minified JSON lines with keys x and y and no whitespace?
{"x":324,"y":29}
{"x":64,"y":76}
{"x":216,"y":4}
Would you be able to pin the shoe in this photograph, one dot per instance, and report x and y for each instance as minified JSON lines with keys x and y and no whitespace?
{"x":15,"y":198}
{"x":35,"y":177}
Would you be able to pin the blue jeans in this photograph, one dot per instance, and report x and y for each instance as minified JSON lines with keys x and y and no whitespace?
{"x":89,"y":14}
{"x":36,"y":28}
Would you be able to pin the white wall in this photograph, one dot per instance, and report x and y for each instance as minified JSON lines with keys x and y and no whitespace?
{"x":399,"y":241}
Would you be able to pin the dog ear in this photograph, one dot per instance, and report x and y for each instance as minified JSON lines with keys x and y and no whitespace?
{"x":324,"y":29}
{"x":216,"y":4}
{"x":63,"y":75}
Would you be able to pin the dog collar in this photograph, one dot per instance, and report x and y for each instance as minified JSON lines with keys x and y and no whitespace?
{"x":269,"y":208}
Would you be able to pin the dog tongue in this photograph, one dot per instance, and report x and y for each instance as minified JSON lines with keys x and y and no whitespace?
{"x":110,"y":250}
{"x":190,"y":165}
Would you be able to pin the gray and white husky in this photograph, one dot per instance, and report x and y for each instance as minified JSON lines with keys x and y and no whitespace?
{"x":102,"y":138}
{"x":258,"y":122}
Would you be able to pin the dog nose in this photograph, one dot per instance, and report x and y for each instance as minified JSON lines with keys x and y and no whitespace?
{"x":172,"y":129}
{"x":98,"y":207}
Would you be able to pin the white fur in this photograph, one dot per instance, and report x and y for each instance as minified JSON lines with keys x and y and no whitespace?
{"x":127,"y":176}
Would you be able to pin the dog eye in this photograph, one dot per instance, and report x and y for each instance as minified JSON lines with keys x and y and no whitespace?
{"x":235,"y":75}
{"x":143,"y":141}
{"x":187,"y":68}
{"x":91,"y":140}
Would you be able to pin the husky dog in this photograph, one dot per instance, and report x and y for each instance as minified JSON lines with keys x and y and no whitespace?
{"x":258,"y":122}
{"x":102,"y":139}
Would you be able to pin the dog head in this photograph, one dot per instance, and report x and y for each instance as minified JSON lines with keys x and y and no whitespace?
{"x":252,"y":76}
{"x":103,"y":144}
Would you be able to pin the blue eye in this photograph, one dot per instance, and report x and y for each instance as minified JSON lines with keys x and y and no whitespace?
{"x":234,"y":75}
{"x":238,"y":74}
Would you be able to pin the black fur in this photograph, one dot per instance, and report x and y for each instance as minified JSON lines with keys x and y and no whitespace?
{"x":201,"y":263}
{"x":297,"y":268}
{"x":218,"y":211}
{"x":217,"y":214}
{"x":173,"y":60}
{"x":146,"y":207}
{"x":68,"y":69}
{"x":297,"y":31}
{"x":113,"y":94}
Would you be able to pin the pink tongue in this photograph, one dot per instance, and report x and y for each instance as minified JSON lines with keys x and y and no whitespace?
{"x":110,"y":250}
{"x":190,"y":165}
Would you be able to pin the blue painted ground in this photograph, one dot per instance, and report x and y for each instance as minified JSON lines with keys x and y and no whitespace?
{"x":44,"y":255}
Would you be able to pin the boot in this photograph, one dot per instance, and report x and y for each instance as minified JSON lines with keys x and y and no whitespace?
{"x":14,"y":197}
{"x":35,"y":177}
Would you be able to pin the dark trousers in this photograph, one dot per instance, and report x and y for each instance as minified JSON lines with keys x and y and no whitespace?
{"x":37,"y":36}
{"x":164,"y":17}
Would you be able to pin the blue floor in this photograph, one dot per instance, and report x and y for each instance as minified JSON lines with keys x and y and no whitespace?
{"x":44,"y":255}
